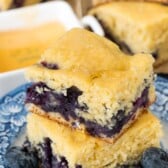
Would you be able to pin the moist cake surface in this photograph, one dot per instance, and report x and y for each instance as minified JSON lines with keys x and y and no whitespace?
{"x":85,"y":81}
{"x":81,"y":149}
{"x":142,"y":27}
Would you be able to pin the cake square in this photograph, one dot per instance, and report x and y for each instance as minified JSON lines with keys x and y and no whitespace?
{"x":85,"y":81}
{"x":137,"y":27}
{"x":75,"y":149}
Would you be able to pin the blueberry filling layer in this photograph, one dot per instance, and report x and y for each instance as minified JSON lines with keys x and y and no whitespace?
{"x":121,"y":119}
{"x":122,"y":45}
{"x":51,"y":101}
{"x":49,"y":65}
{"x":48,"y":160}
{"x":52,"y":161}
{"x":47,"y":153}
{"x":66,"y":105}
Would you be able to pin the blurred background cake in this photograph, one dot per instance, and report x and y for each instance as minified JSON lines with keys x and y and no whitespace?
{"x":137,"y":27}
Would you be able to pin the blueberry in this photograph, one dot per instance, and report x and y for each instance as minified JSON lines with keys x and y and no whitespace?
{"x":49,"y":100}
{"x":155,"y":54}
{"x":59,"y":163}
{"x":49,"y":65}
{"x":17,"y":157}
{"x":154,"y":158}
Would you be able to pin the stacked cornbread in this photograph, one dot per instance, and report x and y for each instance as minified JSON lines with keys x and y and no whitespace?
{"x":137,"y":28}
{"x":88,"y":103}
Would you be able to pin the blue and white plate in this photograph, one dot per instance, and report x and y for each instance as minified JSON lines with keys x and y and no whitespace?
{"x":13,"y":112}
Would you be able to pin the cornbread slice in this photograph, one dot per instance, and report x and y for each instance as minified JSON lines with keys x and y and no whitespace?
{"x":80,"y":149}
{"x":86,"y":82}
{"x":137,"y":27}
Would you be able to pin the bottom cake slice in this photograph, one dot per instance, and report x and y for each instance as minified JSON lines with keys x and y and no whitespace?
{"x":63,"y":147}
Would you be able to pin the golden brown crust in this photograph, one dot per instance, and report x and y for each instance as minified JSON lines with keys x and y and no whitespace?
{"x":100,"y":2}
{"x":35,"y":109}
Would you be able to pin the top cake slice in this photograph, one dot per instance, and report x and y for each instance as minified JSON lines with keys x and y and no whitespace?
{"x":137,"y":27}
{"x":86,"y":82}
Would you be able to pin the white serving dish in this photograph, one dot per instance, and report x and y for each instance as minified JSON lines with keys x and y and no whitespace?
{"x":44,"y":13}
{"x":35,"y":15}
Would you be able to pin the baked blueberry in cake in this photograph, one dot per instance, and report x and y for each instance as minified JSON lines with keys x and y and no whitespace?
{"x":87,"y":83}
{"x":76,"y":149}
{"x":137,"y":28}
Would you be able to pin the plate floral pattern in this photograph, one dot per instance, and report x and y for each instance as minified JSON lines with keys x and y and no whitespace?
{"x":13,"y":112}
{"x":12,"y":117}
{"x":160,"y":108}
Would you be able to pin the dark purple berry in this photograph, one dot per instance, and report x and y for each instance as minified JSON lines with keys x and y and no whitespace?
{"x":154,"y":158}
{"x":18,"y":157}
{"x":50,"y":65}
